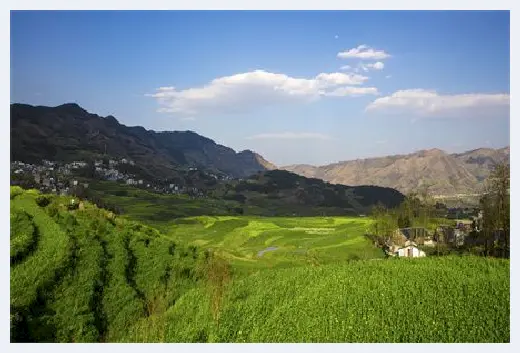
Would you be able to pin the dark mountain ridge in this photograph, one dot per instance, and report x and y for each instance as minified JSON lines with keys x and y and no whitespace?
{"x":68,"y":132}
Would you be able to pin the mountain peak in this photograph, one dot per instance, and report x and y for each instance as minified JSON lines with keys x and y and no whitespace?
{"x":72,"y":108}
{"x":159,"y":154}
{"x":431,"y":152}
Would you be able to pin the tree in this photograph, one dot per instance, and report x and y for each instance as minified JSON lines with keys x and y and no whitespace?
{"x":426,"y":206}
{"x":495,"y":207}
{"x":385,"y":222}
{"x":378,"y":212}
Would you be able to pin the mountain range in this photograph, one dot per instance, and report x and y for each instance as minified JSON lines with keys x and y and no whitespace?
{"x":443,"y":173}
{"x":68,"y":132}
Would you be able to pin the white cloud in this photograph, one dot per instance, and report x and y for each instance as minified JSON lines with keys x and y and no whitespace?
{"x":290,"y":136}
{"x":388,"y":76}
{"x":429,"y":103}
{"x":363,"y":52}
{"x":251,"y":90}
{"x":364,"y":67}
{"x":336,"y":36}
{"x":372,"y":66}
{"x":377,"y":65}
{"x":353,"y":91}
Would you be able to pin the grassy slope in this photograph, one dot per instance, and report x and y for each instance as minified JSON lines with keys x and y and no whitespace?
{"x":156,"y":209}
{"x":91,"y":276}
{"x":463,"y":299}
{"x":95,"y":277}
{"x":297,"y":240}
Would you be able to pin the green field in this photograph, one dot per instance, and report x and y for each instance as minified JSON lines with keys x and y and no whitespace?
{"x":464,"y":299}
{"x":86,"y":275}
{"x":259,"y":242}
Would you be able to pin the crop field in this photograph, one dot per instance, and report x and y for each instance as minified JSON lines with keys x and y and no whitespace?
{"x":279,"y":241}
{"x":450,"y":299}
{"x":82,"y":274}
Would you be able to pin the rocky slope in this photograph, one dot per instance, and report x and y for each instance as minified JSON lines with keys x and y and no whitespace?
{"x":443,"y":173}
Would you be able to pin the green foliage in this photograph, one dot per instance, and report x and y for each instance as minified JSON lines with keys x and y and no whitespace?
{"x":449,"y":299}
{"x":23,"y":235}
{"x":53,"y":250}
{"x":91,"y":276}
{"x":75,"y":300}
{"x":293,"y":240}
{"x":43,"y":200}
{"x":15,"y":191}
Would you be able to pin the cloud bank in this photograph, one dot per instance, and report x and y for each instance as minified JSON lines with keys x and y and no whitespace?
{"x":421,"y":102}
{"x":252,"y":90}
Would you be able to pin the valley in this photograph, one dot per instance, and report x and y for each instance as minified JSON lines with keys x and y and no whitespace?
{"x":106,"y":278}
{"x":178,"y":239}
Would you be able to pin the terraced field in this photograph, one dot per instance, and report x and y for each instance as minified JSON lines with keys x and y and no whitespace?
{"x":279,"y":241}
{"x":81,"y":274}
{"x":84,"y":276}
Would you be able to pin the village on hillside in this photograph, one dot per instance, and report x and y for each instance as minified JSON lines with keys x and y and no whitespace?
{"x":61,"y":178}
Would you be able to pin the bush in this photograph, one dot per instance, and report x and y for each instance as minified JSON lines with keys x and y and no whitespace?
{"x":43,"y":200}
{"x":15,"y":191}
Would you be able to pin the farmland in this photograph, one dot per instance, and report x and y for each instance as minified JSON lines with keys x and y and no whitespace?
{"x":462,"y":299}
{"x":83,"y":274}
{"x":261,"y":242}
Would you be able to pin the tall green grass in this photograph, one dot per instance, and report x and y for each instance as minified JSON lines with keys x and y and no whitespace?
{"x":53,"y":251}
{"x":77,"y":296}
{"x":464,"y":299}
{"x":89,"y":276}
{"x":23,"y":235}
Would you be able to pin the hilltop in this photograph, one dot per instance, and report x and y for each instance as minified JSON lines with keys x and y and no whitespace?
{"x":445,"y":174}
{"x":68,"y":132}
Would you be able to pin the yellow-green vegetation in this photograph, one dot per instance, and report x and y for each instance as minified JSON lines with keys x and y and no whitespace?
{"x":259,"y":242}
{"x":23,"y":234}
{"x":89,"y":276}
{"x":450,"y":299}
{"x":82,"y":274}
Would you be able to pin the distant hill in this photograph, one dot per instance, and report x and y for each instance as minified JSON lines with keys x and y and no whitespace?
{"x":68,"y":132}
{"x":269,"y":193}
{"x":281,"y":192}
{"x":446,"y":174}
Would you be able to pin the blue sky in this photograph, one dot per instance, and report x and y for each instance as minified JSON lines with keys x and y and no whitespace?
{"x":296,"y":87}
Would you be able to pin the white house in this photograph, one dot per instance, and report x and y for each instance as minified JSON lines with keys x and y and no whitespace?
{"x":410,"y":251}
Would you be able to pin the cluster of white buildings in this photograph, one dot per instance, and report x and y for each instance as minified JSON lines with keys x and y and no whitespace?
{"x":58,"y":178}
